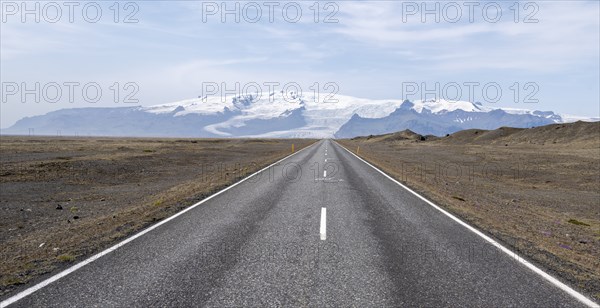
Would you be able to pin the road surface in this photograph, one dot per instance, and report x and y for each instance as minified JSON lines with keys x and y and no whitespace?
{"x":320,"y":229}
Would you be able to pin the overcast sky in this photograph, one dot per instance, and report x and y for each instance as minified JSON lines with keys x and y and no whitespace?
{"x":167,"y":50}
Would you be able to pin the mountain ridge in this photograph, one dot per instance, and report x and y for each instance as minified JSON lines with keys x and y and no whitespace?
{"x":282,"y":115}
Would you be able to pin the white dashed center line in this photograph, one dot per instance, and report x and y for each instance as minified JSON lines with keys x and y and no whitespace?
{"x":323,"y":230}
{"x":324,"y":173}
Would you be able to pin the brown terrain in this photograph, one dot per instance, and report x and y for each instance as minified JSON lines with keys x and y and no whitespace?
{"x":62,"y":199}
{"x":536,"y":190}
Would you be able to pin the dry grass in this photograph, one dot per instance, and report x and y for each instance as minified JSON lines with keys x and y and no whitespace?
{"x":540,"y":194}
{"x":66,"y":198}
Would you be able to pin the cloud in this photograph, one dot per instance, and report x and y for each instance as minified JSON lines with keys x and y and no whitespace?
{"x":369,"y":52}
{"x":566,"y":34}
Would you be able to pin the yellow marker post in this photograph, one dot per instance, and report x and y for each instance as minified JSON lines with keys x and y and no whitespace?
{"x":292,"y":148}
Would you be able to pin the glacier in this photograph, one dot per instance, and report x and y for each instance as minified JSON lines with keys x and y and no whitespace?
{"x":283,"y":115}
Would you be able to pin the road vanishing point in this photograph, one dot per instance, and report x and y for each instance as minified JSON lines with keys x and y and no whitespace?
{"x":320,"y":228}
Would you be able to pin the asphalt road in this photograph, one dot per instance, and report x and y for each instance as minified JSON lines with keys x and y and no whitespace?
{"x":297,"y":235}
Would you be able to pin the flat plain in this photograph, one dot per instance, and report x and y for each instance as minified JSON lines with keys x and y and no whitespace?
{"x":536,"y":190}
{"x":65,"y":198}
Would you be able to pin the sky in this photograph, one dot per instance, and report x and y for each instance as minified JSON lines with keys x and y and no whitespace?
{"x":541,"y":55}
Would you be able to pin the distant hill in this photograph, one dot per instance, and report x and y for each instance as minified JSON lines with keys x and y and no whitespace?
{"x":565,"y":133}
{"x":404,"y":135}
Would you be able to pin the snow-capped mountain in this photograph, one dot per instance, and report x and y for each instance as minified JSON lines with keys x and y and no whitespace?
{"x":278,"y":114}
{"x":282,"y":115}
{"x":440,"y":117}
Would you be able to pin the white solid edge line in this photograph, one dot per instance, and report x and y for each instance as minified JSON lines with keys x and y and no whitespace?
{"x":323,"y":229}
{"x":580,"y":297}
{"x":32,"y":289}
